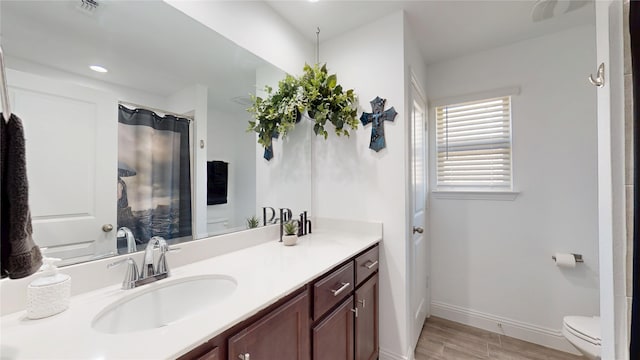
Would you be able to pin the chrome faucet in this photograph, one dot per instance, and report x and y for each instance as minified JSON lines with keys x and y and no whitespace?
{"x":148,"y":263}
{"x":131,"y":240}
{"x":149,"y":273}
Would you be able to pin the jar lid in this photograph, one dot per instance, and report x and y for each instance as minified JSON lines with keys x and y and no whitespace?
{"x":49,"y":280}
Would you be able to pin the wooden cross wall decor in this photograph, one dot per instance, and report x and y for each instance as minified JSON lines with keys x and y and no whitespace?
{"x":377,"y":117}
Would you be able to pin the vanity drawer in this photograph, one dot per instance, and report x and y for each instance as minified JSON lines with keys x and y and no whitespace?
{"x":334,"y":287}
{"x":366,"y":264}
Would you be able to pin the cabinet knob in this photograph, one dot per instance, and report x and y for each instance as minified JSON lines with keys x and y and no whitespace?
{"x":355,"y":311}
{"x":363,"y":303}
{"x":417,"y":229}
{"x":245,"y":356}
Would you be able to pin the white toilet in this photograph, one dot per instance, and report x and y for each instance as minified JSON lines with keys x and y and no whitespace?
{"x":583,"y":332}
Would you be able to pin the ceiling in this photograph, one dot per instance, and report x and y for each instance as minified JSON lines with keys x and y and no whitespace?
{"x":444,"y":29}
{"x":148,"y":45}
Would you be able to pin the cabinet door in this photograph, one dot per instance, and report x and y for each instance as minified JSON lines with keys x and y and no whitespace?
{"x":213,"y":354}
{"x":366,"y":328}
{"x":333,"y":337}
{"x":282,"y":334}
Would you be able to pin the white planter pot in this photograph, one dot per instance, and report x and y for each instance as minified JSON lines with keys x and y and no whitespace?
{"x":289,"y":240}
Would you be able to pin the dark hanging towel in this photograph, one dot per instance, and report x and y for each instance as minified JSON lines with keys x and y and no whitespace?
{"x":634,"y":28}
{"x":217,"y":180}
{"x":20,"y":256}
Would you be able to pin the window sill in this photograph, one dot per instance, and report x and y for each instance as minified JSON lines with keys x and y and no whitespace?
{"x":476,"y":195}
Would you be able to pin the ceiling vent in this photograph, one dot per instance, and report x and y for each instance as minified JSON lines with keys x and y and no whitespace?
{"x":242,"y":100}
{"x":88,"y":6}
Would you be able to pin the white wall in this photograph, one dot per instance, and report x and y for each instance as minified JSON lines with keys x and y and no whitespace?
{"x":254,"y":26}
{"x":228,"y":141}
{"x":351,"y":181}
{"x":285,"y":180}
{"x":492,"y":259}
{"x":193,"y":100}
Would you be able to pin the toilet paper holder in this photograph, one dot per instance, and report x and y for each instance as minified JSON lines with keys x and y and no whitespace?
{"x":578,"y":258}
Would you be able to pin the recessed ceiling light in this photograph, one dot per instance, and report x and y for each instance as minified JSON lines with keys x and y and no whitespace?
{"x":98,"y":68}
{"x":314,"y":0}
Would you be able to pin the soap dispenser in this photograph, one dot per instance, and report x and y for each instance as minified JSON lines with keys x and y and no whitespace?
{"x":49,"y":294}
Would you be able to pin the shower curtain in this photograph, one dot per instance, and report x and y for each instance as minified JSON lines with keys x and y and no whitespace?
{"x":154,"y":176}
{"x":634,"y":29}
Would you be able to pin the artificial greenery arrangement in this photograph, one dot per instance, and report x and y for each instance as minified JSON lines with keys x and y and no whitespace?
{"x":253,"y":222}
{"x":291,"y":228}
{"x":315,"y":92}
{"x":326,"y":100}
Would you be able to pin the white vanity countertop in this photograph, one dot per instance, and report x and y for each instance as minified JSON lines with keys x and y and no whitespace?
{"x":265,"y":273}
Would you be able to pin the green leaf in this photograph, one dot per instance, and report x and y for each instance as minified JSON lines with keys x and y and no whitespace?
{"x":332,"y":81}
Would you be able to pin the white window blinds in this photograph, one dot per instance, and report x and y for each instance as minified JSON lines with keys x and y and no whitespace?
{"x":474,"y":145}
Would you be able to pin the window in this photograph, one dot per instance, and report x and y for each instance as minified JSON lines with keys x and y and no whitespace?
{"x":474,"y":146}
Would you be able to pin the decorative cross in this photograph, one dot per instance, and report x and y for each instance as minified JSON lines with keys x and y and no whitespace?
{"x":268,"y":151}
{"x":377,"y":117}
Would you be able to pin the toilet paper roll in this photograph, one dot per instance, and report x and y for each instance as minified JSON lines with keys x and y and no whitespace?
{"x":565,"y":260}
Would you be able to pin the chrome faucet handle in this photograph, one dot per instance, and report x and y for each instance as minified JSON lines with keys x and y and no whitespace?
{"x":131,"y":274}
{"x":163,"y":266}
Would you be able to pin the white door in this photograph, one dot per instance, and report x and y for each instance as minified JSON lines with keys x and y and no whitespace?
{"x":419,"y":257}
{"x":610,"y":176}
{"x":71,"y":151}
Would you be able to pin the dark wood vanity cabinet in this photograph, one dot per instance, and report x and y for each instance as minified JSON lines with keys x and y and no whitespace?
{"x":334,"y":317}
{"x":366,"y":321}
{"x":350,"y":330}
{"x":213,"y":354}
{"x":281,"y":334}
{"x":333,"y":336}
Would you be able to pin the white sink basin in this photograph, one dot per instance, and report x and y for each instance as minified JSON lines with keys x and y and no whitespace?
{"x":164,"y":303}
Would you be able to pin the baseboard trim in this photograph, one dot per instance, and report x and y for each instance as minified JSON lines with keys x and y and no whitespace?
{"x":390,"y":355}
{"x":520,"y":330}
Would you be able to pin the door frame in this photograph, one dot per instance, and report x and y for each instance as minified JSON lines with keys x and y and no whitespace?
{"x":611,"y":205}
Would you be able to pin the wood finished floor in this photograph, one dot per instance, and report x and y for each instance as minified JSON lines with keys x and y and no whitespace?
{"x":447,"y":340}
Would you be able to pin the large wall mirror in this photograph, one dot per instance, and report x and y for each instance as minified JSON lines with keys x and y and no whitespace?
{"x":157,"y":143}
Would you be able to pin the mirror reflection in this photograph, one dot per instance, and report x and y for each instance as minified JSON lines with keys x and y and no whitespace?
{"x":135,"y":119}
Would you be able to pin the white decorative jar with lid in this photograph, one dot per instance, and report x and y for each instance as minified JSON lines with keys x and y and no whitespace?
{"x":49,"y":294}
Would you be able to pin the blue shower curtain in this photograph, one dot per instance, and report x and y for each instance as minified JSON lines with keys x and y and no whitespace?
{"x":154,"y":176}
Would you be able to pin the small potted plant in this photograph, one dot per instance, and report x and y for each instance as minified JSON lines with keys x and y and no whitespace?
{"x":290,"y":233}
{"x":253,"y":222}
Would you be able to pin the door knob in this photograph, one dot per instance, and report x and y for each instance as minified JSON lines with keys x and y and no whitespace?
{"x":107,"y":227}
{"x":417,"y":229}
{"x":599,"y":80}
